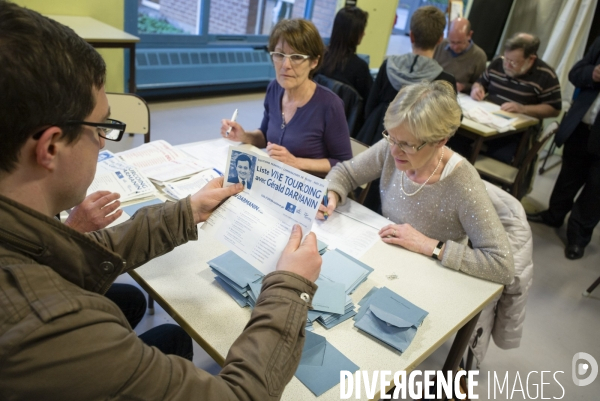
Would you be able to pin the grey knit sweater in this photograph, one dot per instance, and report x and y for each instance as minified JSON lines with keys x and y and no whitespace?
{"x":454,"y":210}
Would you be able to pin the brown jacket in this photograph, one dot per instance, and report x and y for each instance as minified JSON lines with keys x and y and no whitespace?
{"x":61,"y":339}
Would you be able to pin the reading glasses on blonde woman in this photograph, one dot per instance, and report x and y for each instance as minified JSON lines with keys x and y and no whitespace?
{"x":295,"y":59}
{"x":406,"y":148}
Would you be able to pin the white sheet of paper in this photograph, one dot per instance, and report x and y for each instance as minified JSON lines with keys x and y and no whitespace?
{"x":189,"y":186}
{"x":161,"y":162}
{"x":346,"y":234}
{"x":114,"y":175}
{"x":256,"y":223}
{"x":211,"y":153}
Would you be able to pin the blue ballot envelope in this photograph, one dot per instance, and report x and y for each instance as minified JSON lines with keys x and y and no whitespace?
{"x":321,"y":363}
{"x":390,"y":318}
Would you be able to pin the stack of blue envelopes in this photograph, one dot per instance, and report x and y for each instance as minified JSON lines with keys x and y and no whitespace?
{"x":340,"y":275}
{"x":390,"y":318}
{"x":321,"y":363}
{"x":238,"y":278}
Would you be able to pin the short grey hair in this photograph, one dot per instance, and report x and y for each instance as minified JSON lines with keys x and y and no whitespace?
{"x":429,"y":110}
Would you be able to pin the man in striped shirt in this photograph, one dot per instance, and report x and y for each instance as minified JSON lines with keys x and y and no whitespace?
{"x":519,"y":82}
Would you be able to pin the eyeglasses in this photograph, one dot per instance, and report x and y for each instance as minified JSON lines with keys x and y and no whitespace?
{"x":513,"y":64}
{"x":406,"y":148}
{"x":110,"y":129}
{"x":295,"y":59}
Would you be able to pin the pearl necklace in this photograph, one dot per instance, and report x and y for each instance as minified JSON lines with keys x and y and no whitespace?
{"x":426,"y":181}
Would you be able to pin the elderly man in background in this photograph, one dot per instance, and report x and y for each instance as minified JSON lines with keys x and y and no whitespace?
{"x":460,"y":56}
{"x":519,"y":82}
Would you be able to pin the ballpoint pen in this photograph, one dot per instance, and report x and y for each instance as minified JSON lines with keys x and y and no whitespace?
{"x":232,"y":119}
{"x":325,"y":202}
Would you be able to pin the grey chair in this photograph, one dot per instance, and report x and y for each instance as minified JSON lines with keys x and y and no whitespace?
{"x":510,"y":177}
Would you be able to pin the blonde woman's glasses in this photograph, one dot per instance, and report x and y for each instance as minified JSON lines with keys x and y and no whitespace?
{"x":295,"y":59}
{"x":406,"y":148}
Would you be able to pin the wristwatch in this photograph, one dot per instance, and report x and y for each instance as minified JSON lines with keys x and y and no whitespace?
{"x":437,"y":250}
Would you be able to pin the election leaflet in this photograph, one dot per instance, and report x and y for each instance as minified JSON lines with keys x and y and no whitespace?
{"x":256,"y":224}
{"x":161,"y":162}
{"x":112,"y":174}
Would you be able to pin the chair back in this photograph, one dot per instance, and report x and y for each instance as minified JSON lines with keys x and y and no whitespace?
{"x":353,"y":102}
{"x":510,"y":177}
{"x":357,"y":148}
{"x":532,"y":155}
{"x":133,"y":111}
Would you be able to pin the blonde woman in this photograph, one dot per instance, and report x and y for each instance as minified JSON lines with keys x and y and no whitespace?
{"x":434,"y":196}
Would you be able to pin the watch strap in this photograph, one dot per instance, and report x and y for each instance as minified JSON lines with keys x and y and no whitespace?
{"x":437,"y":250}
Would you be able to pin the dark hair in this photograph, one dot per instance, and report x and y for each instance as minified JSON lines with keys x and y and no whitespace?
{"x":243,"y":158}
{"x":302,"y":36}
{"x":348,"y":28}
{"x":47,"y":76}
{"x":427,"y":26}
{"x":526,"y":41}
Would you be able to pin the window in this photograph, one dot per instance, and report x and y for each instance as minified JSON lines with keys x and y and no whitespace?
{"x":229,"y":17}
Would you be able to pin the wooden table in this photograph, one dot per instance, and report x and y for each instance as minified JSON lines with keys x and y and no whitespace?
{"x":183,"y":284}
{"x":101,"y":35}
{"x":480,"y":133}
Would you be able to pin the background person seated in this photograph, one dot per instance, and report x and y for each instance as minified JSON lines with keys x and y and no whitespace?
{"x":519,"y":82}
{"x":304,"y":124}
{"x":426,"y":31}
{"x":460,"y":56}
{"x":341,"y":62}
{"x":434,"y":196}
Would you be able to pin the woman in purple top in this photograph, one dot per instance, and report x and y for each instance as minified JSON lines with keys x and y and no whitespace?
{"x":304,"y":124}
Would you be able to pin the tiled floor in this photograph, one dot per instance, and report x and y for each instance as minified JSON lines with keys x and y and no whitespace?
{"x":559,"y":323}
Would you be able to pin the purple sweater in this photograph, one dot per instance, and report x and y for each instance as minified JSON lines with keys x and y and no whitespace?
{"x":318,"y":130}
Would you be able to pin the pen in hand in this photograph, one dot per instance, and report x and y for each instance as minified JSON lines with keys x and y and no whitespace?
{"x":232,"y":119}
{"x":325,"y":202}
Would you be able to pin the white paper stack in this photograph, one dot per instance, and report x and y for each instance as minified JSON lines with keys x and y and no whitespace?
{"x":162,"y":163}
{"x":114,"y":175}
{"x":183,"y":188}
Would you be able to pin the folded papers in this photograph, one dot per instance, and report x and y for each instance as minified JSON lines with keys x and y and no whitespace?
{"x":238,"y":278}
{"x":340,"y":275}
{"x":321,"y":363}
{"x":390,"y":318}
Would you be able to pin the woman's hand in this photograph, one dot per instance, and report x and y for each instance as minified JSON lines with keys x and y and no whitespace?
{"x":408,"y":237}
{"x":332,"y":201}
{"x":236,"y":134}
{"x":280,"y":153}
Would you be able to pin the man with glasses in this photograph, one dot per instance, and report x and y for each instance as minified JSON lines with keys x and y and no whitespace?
{"x":60,"y":337}
{"x":460,"y":56}
{"x":519,"y":82}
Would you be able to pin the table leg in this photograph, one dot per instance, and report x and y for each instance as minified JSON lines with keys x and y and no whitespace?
{"x":132,"y":86}
{"x":476,"y":149}
{"x":459,"y":346}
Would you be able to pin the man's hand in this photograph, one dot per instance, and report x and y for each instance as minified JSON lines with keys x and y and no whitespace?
{"x":477,"y":91}
{"x":94,"y":213}
{"x":596,"y":73}
{"x":205,"y":201}
{"x":280,"y":153}
{"x":302,"y":259}
{"x":513,"y":107}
